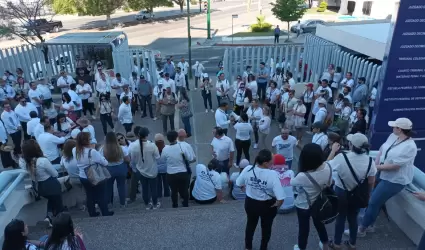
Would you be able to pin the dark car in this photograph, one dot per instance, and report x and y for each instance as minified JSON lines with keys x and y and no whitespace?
{"x":42,"y":25}
{"x":307,"y":26}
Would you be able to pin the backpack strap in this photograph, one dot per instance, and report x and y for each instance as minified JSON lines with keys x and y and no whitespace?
{"x":312,"y":180}
{"x":351,"y":168}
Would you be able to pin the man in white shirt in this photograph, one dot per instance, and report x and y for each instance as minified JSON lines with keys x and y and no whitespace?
{"x":35,"y":97}
{"x":319,"y":137}
{"x":124,"y":114}
{"x":199,"y":71}
{"x":44,"y":90}
{"x":12,"y":125}
{"x":291,"y":80}
{"x":32,"y":124}
{"x":284,"y":144}
{"x":49,"y":144}
{"x":221,"y":117}
{"x":223,"y":150}
{"x":184,"y":66}
{"x":348,"y":81}
{"x":39,"y":128}
{"x":180,"y":80}
{"x":23,"y":110}
{"x":222,"y":88}
{"x":168,"y":82}
{"x":321,"y":114}
{"x":182,"y":135}
{"x":84,"y":92}
{"x":76,"y":99}
{"x":117,"y":84}
{"x":64,"y":81}
{"x":7,"y":92}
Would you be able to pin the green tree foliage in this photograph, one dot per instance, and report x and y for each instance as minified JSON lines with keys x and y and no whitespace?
{"x":99,"y":7}
{"x":149,"y":5}
{"x":288,"y":10}
{"x":180,"y":3}
{"x":322,"y":6}
{"x":64,"y":6}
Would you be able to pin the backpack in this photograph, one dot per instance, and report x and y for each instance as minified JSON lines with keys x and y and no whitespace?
{"x":359,"y":196}
{"x":325,"y":207}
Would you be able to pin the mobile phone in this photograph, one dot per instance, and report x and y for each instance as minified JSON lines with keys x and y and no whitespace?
{"x":410,"y":190}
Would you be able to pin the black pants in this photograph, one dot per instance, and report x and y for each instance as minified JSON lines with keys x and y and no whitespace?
{"x":238,"y":109}
{"x":17,"y":138}
{"x":304,"y":228}
{"x":207,"y":97}
{"x":87,"y":106}
{"x":6,"y":159}
{"x":106,"y":118}
{"x":179,"y":185}
{"x":262,"y":91}
{"x":197,"y":78}
{"x":307,"y":113}
{"x":24,"y":128}
{"x":186,"y":78}
{"x":128,"y":127}
{"x":136,"y":102}
{"x":242,"y":146}
{"x":146,"y":101}
{"x":201,"y":202}
{"x":164,"y":122}
{"x":254,"y":211}
{"x":56,"y":161}
{"x":255,"y":134}
{"x":54,"y":204}
{"x":276,"y":38}
{"x":273,"y":109}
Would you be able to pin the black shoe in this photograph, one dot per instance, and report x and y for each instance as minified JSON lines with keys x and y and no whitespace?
{"x":96,"y":214}
{"x":143,"y":116}
{"x":110,"y":213}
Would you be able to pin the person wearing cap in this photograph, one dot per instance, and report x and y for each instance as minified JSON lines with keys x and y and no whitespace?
{"x":85,"y":126}
{"x":158,"y":92}
{"x":169,"y":82}
{"x":222,"y":88}
{"x":235,"y":191}
{"x":64,"y":81}
{"x":349,"y":170}
{"x":319,"y":134}
{"x":206,"y":86}
{"x":262,"y":80}
{"x":184,"y":66}
{"x":198,"y":69}
{"x":395,"y":163}
{"x":361,"y":91}
{"x":179,"y":79}
{"x":169,"y":68}
{"x":308,"y":96}
{"x":284,"y":144}
{"x":285,"y":176}
{"x":319,"y":115}
{"x":145,"y":94}
{"x":206,"y":188}
{"x":124,"y":114}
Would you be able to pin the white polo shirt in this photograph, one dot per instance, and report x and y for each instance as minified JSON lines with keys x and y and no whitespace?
{"x":222,"y":147}
{"x":68,"y":80}
{"x":225,"y":89}
{"x":116,"y":83}
{"x":285,"y":147}
{"x":124,"y":114}
{"x":272,"y":95}
{"x":172,"y":154}
{"x":320,"y":115}
{"x":221,"y":119}
{"x":243,"y":131}
{"x":85,"y":87}
{"x":320,"y":139}
{"x":49,"y":145}
{"x":34,"y":93}
{"x":206,"y":183}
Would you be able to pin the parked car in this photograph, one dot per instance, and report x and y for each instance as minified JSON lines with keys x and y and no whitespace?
{"x":41,"y":25}
{"x":143,"y":14}
{"x":307,"y":26}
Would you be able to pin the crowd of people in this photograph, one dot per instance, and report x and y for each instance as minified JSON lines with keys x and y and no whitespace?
{"x":61,"y":134}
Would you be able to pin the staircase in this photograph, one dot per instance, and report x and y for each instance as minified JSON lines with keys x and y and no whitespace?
{"x":216,"y":226}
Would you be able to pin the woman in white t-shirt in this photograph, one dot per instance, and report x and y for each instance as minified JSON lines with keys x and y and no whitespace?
{"x":272,"y":97}
{"x":264,"y":195}
{"x":349,"y":169}
{"x":395,"y":163}
{"x":338,"y":106}
{"x":235,"y":191}
{"x":255,"y":113}
{"x":64,"y":124}
{"x":319,"y":135}
{"x":264,"y":127}
{"x":310,"y":163}
{"x":307,"y":97}
{"x":243,"y":137}
{"x":299,"y":114}
{"x":68,"y":106}
{"x":253,"y":86}
{"x":206,"y":188}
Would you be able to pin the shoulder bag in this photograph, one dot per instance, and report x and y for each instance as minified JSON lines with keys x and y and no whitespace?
{"x":95,"y":172}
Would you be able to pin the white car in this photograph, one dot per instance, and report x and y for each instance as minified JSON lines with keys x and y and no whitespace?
{"x":143,"y":14}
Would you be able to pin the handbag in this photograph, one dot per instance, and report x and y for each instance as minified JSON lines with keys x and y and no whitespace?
{"x":96,"y":173}
{"x":65,"y":181}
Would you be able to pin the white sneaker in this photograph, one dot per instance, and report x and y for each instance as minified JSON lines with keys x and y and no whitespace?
{"x":196,"y":88}
{"x":94,"y":117}
{"x":158,"y":205}
{"x":235,"y":165}
{"x":149,"y":206}
{"x":212,"y":110}
{"x":255,"y":145}
{"x":113,"y":130}
{"x":320,"y":245}
{"x":206,"y":111}
{"x":370,"y":229}
{"x":296,"y":247}
{"x":156,"y":118}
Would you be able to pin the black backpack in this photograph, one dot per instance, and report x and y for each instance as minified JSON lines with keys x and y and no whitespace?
{"x":359,"y":196}
{"x":325,"y":207}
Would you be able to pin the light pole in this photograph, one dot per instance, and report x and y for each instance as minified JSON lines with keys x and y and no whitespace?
{"x":189,"y":38}
{"x":209,"y":20}
{"x":233,"y":17}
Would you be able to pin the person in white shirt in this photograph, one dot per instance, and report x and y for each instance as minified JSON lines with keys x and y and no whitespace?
{"x":44,"y":91}
{"x":23,"y":110}
{"x":241,"y":99}
{"x":206,"y":188}
{"x":372,"y":99}
{"x":184,"y":66}
{"x":299,"y":118}
{"x":103,"y":85}
{"x":85,"y":126}
{"x":35,"y":97}
{"x":344,"y":118}
{"x":12,"y":125}
{"x":236,"y":191}
{"x":264,"y":195}
{"x":284,"y":144}
{"x":395,"y":162}
{"x":291,"y":80}
{"x":182,"y":135}
{"x":179,"y":79}
{"x":223,"y":150}
{"x":64,"y":125}
{"x":319,"y":134}
{"x":264,"y":127}
{"x":67,"y":106}
{"x":311,"y":163}
{"x":350,"y":171}
{"x":168,"y":82}
{"x":85,"y":91}
{"x":7,"y":92}
{"x":158,"y":92}
{"x":255,"y":113}
{"x":39,"y":128}
{"x":117,"y":84}
{"x":246,"y":73}
{"x":252,"y":85}
{"x":288,"y":105}
{"x":307,"y":97}
{"x":243,"y":137}
{"x":64,"y":81}
{"x":76,"y":99}
{"x":177,"y":158}
{"x":272,"y":97}
{"x":106,"y":112}
{"x":133,"y":84}
{"x":348,"y":81}
{"x":321,"y":113}
{"x":124,"y":114}
{"x":5,"y":155}
{"x":206,"y":87}
{"x":222,"y":88}
{"x":278,"y":77}
{"x":199,"y":71}
{"x":49,"y":144}
{"x":221,"y":117}
{"x":32,"y":123}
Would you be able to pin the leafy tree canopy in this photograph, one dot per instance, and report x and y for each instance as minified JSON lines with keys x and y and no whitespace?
{"x":288,"y":10}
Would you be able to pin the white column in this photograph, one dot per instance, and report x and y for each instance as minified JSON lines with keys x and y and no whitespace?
{"x":358,"y":10}
{"x":343,"y":9}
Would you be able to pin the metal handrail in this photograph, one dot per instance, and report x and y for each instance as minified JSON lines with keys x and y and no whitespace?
{"x":10,"y":175}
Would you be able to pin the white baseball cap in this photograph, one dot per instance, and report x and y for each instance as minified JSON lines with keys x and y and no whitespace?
{"x":357,"y":139}
{"x":321,"y":101}
{"x":402,"y":123}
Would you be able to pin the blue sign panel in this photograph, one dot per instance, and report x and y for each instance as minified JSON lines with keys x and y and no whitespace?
{"x":401,"y":90}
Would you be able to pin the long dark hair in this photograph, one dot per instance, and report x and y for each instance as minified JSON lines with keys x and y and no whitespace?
{"x":263,"y":156}
{"x":14,"y":239}
{"x":311,"y":158}
{"x":184,"y":95}
{"x":143,"y":134}
{"x":62,"y":230}
{"x":112,"y":149}
{"x":67,"y":149}
{"x":58,"y":124}
{"x":83,"y":141}
{"x":67,"y":97}
{"x":31,"y":150}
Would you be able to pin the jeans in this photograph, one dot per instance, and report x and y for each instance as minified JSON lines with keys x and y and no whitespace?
{"x":179,"y":185}
{"x":54,"y":204}
{"x":187,"y":81}
{"x":134,"y":183}
{"x":262,"y":90}
{"x":345,"y":213}
{"x":273,"y":110}
{"x":163,"y":185}
{"x":223,"y":166}
{"x":149,"y":188}
{"x":187,"y":127}
{"x":304,"y":228}
{"x":382,"y":192}
{"x":254,"y":211}
{"x":95,"y":194}
{"x":128,"y":127}
{"x":207,"y":98}
{"x":421,"y":245}
{"x":146,"y":101}
{"x":119,"y":174}
{"x":164,"y":122}
{"x":17,"y":138}
{"x":106,"y":119}
{"x":87,"y":106}
{"x":255,"y":134}
{"x":242,"y":146}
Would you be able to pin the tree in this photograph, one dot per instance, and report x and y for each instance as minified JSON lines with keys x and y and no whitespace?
{"x":180,"y":3}
{"x":310,"y":3}
{"x":17,"y":17}
{"x":64,"y":7}
{"x":99,"y":7}
{"x":149,"y":5}
{"x":288,"y":10}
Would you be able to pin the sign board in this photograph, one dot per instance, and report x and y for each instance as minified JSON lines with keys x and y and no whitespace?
{"x":401,"y":88}
{"x":235,"y":16}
